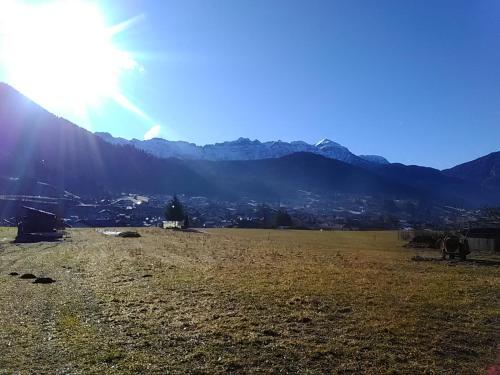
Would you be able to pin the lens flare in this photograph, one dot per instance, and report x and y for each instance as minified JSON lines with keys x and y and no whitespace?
{"x":62,"y":54}
{"x":152,"y":133}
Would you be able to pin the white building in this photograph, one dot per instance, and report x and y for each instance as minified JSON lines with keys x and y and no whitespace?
{"x":173,"y":224}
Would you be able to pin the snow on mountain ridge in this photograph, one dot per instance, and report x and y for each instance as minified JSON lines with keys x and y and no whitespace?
{"x":241,"y":149}
{"x":113,"y":140}
{"x":377,"y":159}
{"x":324,"y":142}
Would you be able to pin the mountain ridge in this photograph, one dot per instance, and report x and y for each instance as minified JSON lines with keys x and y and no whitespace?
{"x":243,"y":149}
{"x":484,"y":170}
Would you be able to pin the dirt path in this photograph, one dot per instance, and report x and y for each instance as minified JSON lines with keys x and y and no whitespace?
{"x":49,"y":327}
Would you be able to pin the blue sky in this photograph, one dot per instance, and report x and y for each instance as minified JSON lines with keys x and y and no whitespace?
{"x":415,"y":81}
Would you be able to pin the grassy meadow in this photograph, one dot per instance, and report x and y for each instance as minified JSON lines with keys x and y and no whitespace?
{"x":244,"y":301}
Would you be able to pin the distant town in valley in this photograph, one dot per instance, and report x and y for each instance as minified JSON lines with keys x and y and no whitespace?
{"x":339,"y":212}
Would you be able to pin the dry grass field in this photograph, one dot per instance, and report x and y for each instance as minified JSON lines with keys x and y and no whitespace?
{"x":244,"y":301}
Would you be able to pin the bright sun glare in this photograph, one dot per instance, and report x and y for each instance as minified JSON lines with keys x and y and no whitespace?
{"x":61,"y":53}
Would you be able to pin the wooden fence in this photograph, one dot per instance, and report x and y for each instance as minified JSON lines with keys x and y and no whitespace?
{"x":408,"y":235}
{"x":484,"y":244}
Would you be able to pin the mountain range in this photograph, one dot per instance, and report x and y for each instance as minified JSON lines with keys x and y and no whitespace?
{"x":243,"y":149}
{"x":39,"y":148}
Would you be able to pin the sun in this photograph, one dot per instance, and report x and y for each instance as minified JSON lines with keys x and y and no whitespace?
{"x":63,"y":54}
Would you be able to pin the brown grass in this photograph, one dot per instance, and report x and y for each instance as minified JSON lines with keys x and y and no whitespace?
{"x":244,"y":301}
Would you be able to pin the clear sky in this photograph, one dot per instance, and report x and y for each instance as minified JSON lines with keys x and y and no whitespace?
{"x":417,"y":81}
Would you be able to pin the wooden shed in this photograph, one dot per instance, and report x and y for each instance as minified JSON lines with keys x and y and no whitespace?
{"x":37,"y":225}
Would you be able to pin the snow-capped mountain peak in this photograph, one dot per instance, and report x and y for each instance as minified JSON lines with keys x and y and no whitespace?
{"x":242,"y":149}
{"x":324,"y":142}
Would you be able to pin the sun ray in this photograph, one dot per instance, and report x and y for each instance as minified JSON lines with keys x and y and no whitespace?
{"x":63,"y":55}
{"x":122,"y":100}
{"x":125,"y":25}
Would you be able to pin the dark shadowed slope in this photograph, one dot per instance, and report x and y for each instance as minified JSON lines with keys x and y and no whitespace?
{"x":484,"y":171}
{"x":37,"y":145}
{"x":440,"y":187}
{"x":284,"y":177}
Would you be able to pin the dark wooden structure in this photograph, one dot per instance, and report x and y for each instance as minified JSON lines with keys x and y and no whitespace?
{"x":484,"y":239}
{"x":37,"y":225}
{"x":455,"y":246}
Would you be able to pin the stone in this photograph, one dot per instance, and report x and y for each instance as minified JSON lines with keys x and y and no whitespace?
{"x":129,"y":234}
{"x":28,"y":276}
{"x":43,"y":280}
